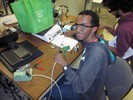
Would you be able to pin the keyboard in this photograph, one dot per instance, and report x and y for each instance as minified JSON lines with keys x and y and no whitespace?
{"x":11,"y":57}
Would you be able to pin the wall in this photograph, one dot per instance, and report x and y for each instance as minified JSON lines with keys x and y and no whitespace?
{"x":75,"y":6}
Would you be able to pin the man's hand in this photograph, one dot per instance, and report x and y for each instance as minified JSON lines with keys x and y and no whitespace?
{"x":113,"y":49}
{"x":102,"y":27}
{"x":60,"y":59}
{"x":69,"y":33}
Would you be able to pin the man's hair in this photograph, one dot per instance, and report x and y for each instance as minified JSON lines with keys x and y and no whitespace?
{"x":114,"y":5}
{"x":95,"y":18}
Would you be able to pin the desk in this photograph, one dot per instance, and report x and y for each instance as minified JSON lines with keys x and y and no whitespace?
{"x":38,"y":85}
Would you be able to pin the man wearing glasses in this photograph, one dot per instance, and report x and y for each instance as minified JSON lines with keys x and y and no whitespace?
{"x":87,"y":82}
{"x":122,"y":9}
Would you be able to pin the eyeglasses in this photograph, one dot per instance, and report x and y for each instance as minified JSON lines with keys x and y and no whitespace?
{"x":82,"y":26}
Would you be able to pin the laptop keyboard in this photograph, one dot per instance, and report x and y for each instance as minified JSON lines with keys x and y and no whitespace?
{"x":11,"y":57}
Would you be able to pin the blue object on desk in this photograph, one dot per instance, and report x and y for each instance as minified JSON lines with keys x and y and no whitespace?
{"x":23,"y":75}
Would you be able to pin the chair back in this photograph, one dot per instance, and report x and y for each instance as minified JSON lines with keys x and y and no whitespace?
{"x":119,"y":79}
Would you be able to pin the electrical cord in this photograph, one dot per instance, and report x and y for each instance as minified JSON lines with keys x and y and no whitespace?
{"x":37,"y":75}
{"x":66,"y":10}
{"x":52,"y":73}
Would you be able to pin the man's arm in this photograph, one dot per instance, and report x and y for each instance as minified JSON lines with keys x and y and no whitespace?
{"x":113,"y":50}
{"x":69,"y":33}
{"x":109,"y":29}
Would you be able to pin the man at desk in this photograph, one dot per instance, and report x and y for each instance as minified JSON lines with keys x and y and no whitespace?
{"x":87,"y":82}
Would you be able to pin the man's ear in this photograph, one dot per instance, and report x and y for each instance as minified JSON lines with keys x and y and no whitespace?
{"x":94,"y":29}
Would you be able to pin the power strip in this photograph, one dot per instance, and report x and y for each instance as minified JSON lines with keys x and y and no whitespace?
{"x":23,"y":75}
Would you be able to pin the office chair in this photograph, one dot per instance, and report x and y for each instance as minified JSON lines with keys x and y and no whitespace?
{"x":119,"y":80}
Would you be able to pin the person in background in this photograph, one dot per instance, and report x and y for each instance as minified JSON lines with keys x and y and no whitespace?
{"x":122,"y":9}
{"x":87,"y":82}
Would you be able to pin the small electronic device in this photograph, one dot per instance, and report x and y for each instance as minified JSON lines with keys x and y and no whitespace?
{"x":50,"y":34}
{"x":14,"y":56}
{"x":23,"y":75}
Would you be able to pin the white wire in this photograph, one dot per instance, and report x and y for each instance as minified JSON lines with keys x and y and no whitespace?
{"x":52,"y":73}
{"x":38,"y":75}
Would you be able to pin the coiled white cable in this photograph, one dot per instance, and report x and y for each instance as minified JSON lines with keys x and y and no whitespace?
{"x":52,"y":73}
{"x":37,"y":75}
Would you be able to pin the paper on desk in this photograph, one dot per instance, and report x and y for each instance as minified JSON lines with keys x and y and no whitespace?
{"x":62,"y":41}
{"x":127,"y":54}
{"x":10,"y":19}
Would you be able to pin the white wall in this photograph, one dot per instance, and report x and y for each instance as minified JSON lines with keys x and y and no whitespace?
{"x":91,"y":3}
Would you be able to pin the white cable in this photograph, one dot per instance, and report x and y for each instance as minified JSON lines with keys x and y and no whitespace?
{"x":37,"y":75}
{"x":52,"y":73}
